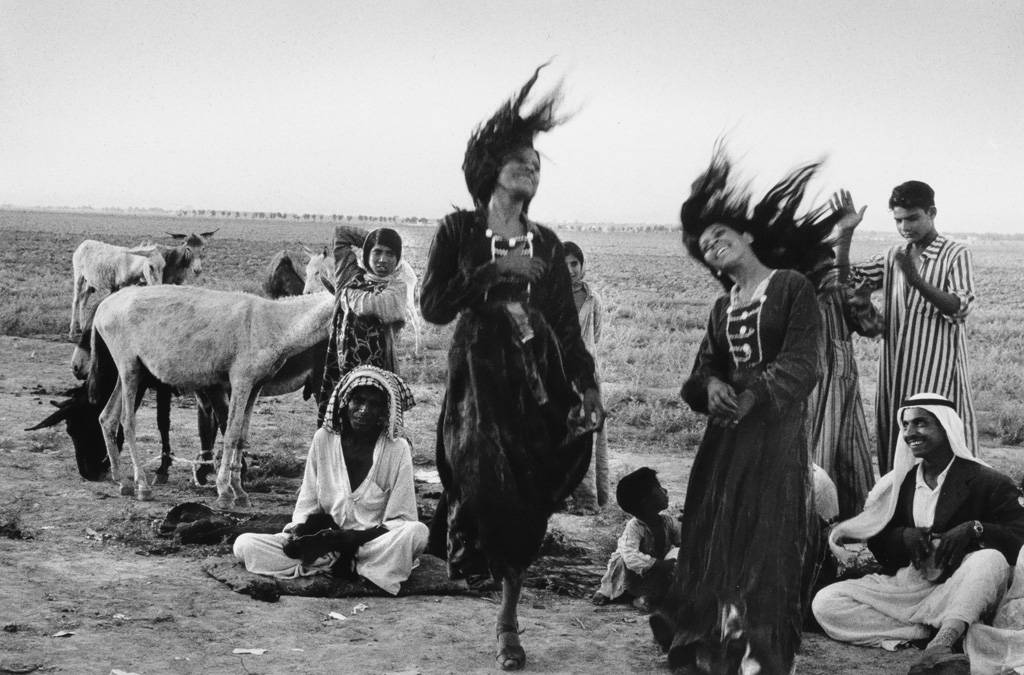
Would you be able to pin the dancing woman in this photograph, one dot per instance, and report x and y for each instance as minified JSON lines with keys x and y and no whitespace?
{"x":513,"y":439}
{"x":737,"y":600}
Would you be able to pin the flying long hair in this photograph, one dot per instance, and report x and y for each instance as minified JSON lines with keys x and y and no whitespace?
{"x":782,"y":239}
{"x":506,"y":131}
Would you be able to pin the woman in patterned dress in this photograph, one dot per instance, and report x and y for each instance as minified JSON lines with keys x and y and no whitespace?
{"x":740,"y":587}
{"x":514,"y":437}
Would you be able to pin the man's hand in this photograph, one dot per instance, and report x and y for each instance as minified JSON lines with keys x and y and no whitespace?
{"x":916,"y":541}
{"x":906,"y":260}
{"x":589,"y":416}
{"x":953,"y":546}
{"x":521,"y":266}
{"x":841,"y":202}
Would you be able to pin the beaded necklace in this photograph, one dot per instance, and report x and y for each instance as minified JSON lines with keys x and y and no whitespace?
{"x":502,"y":246}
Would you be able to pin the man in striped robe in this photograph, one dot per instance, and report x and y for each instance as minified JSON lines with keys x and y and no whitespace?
{"x":928,"y":289}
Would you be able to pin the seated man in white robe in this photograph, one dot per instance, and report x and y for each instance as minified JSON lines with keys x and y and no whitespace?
{"x":359,"y":473}
{"x":945,"y":528}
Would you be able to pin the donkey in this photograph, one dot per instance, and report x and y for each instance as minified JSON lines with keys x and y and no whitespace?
{"x":195,"y":339}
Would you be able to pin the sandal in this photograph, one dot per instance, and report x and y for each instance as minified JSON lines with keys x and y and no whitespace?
{"x":511,"y":655}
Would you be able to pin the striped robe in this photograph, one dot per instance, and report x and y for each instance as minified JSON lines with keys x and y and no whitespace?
{"x":837,"y":429}
{"x":923,"y":350}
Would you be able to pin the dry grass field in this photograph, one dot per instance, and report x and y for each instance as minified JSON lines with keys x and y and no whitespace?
{"x":133,"y":609}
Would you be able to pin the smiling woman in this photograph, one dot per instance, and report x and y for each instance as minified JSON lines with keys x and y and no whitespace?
{"x":737,"y":602}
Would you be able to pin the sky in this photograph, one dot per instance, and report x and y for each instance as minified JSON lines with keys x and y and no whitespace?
{"x":365,"y":107}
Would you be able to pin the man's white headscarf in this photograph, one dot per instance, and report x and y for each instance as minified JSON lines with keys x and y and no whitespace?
{"x":881,"y":502}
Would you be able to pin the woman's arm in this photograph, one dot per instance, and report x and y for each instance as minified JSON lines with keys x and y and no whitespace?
{"x":346,"y":264}
{"x":794,"y":372}
{"x":448,"y":287}
{"x":709,"y":363}
{"x":388,"y":305}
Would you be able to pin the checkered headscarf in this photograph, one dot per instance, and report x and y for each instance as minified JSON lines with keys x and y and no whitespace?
{"x":399,"y":395}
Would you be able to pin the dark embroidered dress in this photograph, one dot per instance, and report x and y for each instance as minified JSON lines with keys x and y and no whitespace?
{"x":505,"y":452}
{"x":745,"y":521}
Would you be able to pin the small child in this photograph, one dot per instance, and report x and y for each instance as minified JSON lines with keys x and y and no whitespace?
{"x":592,"y":493}
{"x":643,"y":564}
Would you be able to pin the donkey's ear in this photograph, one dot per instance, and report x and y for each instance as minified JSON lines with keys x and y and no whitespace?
{"x":54,"y":419}
{"x":207,"y":235}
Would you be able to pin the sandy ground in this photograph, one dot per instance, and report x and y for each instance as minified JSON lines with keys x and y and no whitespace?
{"x":88,"y":587}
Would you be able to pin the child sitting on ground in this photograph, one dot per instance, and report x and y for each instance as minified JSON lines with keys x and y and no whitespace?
{"x":644,"y":561}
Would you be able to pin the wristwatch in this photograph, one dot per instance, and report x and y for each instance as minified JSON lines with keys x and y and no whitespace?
{"x":979,"y":531}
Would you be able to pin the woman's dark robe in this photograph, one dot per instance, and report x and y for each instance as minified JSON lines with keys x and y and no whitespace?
{"x":745,"y":527}
{"x":505,"y":452}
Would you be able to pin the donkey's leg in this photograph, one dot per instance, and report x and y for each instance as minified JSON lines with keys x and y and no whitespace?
{"x":211,"y":414}
{"x":129,"y":386}
{"x":110,"y":421}
{"x":241,"y":497}
{"x":77,"y":287}
{"x":230,"y":461}
{"x":163,"y":423}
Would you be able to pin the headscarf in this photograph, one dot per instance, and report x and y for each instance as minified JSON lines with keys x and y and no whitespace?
{"x":881,"y":502}
{"x":383,"y":236}
{"x":504,"y":133}
{"x":399,"y":395}
{"x":782,"y":240}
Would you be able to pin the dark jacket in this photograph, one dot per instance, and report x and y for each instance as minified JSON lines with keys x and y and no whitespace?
{"x":970,"y":492}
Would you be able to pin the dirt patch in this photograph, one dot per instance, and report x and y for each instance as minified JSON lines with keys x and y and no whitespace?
{"x":90,"y":587}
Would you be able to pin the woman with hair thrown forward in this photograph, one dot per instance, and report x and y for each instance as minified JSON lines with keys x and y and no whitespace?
{"x":514,"y":437}
{"x":737,"y":602}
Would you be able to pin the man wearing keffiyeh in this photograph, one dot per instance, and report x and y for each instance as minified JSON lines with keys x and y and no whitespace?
{"x":946,"y":529}
{"x":358,"y":486}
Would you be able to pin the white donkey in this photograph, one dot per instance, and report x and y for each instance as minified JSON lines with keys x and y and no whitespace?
{"x":193,"y":339}
{"x":99,"y":266}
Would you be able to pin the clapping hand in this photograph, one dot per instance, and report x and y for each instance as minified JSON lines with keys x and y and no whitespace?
{"x":906,"y":259}
{"x":721,"y":402}
{"x":725,"y":406}
{"x":916,"y":541}
{"x":953,"y":546}
{"x":842,"y":202}
{"x":522,"y":267}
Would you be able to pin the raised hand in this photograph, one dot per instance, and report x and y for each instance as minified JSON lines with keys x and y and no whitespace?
{"x":841,"y":202}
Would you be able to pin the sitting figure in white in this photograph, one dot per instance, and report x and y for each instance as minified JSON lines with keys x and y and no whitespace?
{"x":358,"y":472}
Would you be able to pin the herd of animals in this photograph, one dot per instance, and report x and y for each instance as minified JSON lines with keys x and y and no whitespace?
{"x":226,"y":348}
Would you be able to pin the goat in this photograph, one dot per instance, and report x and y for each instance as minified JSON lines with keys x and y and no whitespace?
{"x":101,"y":266}
{"x":283,"y":279}
{"x":320,"y":268}
{"x":166,"y":330}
